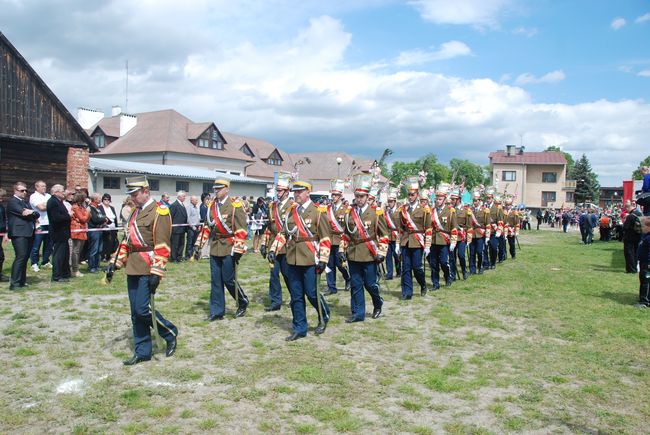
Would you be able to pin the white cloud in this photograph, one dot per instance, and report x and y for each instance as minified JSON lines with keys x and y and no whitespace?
{"x":551,"y":77}
{"x":617,"y":23}
{"x":447,"y":50}
{"x":297,"y":89}
{"x":644,"y":73}
{"x":529,"y":32}
{"x":643,"y":18}
{"x":472,"y":12}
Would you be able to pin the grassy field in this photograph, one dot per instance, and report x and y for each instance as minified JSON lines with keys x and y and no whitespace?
{"x":549,"y":342}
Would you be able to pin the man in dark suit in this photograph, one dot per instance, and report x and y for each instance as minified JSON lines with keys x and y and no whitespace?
{"x":3,"y":232}
{"x":20,"y":220}
{"x":179,"y":216}
{"x":59,"y":219}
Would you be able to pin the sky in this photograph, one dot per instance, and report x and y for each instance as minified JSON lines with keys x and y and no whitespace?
{"x":458,"y":79}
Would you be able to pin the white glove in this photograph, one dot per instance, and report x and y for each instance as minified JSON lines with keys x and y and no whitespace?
{"x":452,"y":246}
{"x":397,"y":249}
{"x":426,"y":251}
{"x":498,"y":234}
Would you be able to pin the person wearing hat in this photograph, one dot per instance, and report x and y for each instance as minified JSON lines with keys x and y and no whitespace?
{"x":144,"y":253}
{"x":512,"y":222}
{"x":366,"y":241}
{"x":226,"y":231}
{"x":392,"y":218}
{"x":415,"y":239}
{"x":496,"y":224}
{"x":463,"y":220}
{"x":444,"y":237}
{"x":501,"y":247}
{"x":278,"y":211}
{"x":306,"y":235}
{"x":478,"y":233}
{"x":336,"y":217}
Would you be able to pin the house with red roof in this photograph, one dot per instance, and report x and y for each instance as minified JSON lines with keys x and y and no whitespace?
{"x":537,"y":179}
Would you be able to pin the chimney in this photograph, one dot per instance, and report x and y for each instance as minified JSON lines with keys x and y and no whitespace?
{"x":127,"y":122}
{"x":88,"y":117}
{"x":116,"y":110}
{"x":510,"y":150}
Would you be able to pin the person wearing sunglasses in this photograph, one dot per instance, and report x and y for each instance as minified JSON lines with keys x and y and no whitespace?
{"x":21,"y":222}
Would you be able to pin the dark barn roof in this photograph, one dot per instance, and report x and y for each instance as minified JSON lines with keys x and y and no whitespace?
{"x":30,"y":112}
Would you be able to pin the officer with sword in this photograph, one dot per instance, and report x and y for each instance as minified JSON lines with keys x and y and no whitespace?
{"x":144,"y":253}
{"x":306,"y":235}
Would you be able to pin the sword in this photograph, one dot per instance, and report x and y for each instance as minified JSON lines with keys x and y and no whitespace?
{"x":154,"y":323}
{"x":320,"y":308}
{"x":382,"y":275}
{"x":517,"y":240}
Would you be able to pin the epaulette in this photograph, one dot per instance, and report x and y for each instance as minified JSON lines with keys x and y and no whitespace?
{"x":427,"y":209}
{"x":453,"y":209}
{"x":322,"y":208}
{"x":236,"y":202}
{"x":379,"y":211}
{"x":162,"y":209}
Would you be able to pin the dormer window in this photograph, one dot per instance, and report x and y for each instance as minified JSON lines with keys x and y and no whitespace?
{"x":210,"y":139}
{"x":246,"y":150}
{"x":100,"y":140}
{"x":275,"y":162}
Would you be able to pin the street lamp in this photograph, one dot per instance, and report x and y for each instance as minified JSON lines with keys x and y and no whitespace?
{"x":338,"y":166}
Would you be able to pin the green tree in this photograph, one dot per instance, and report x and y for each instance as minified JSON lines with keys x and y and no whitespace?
{"x":471,"y":172}
{"x":636,"y":175}
{"x":570,"y":163}
{"x":587,"y":186}
{"x":436,"y":171}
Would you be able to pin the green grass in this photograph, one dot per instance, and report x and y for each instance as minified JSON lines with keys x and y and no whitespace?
{"x":520,"y":349}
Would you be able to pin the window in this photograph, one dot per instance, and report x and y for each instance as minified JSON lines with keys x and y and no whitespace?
{"x":549,"y":177}
{"x":234,"y":173}
{"x":112,"y":183}
{"x":246,"y":150}
{"x":154,"y":185}
{"x":547,"y":197}
{"x":204,"y":143}
{"x":100,"y":140}
{"x":183,"y":185}
{"x":207,"y":187}
{"x":570,"y":197}
{"x":217,"y":145}
{"x":275,"y":162}
{"x":509,"y":176}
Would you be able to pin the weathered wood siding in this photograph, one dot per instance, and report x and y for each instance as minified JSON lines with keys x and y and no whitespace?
{"x":31,"y":162}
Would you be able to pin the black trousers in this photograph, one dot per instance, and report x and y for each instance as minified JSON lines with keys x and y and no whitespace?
{"x":22,"y":247}
{"x":630,"y":248}
{"x":178,"y":244}
{"x":60,"y":260}
{"x":511,"y":245}
{"x":191,"y":239}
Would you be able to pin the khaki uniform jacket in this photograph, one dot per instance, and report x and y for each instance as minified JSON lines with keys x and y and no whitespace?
{"x":496,"y":218}
{"x":226,"y":235}
{"x":422,"y":219}
{"x":146,"y":249}
{"x":449,"y":231}
{"x":464,"y":221}
{"x":395,"y":216}
{"x":375,"y":227}
{"x":339,"y":214}
{"x":482,"y":217}
{"x":272,"y":228}
{"x":512,"y":222}
{"x":298,"y":251}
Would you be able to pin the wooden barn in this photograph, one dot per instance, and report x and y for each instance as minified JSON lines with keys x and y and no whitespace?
{"x":39,"y":138}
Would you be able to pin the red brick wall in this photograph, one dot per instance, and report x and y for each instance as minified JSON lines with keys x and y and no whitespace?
{"x":77,"y":167}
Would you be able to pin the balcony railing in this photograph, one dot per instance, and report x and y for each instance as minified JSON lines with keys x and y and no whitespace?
{"x":569,"y":185}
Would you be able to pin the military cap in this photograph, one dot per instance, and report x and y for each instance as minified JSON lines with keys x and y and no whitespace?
{"x":412,"y":183}
{"x":362,"y":183}
{"x":300,"y":185}
{"x":392,"y":193}
{"x":133,"y":184}
{"x":337,"y":186}
{"x":443,"y":189}
{"x":284,"y":181}
{"x":220,"y":183}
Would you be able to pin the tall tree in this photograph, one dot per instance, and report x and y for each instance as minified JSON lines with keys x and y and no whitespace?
{"x":636,"y":175}
{"x":472,"y":173}
{"x":436,"y":171}
{"x":587,"y":186}
{"x":570,"y":163}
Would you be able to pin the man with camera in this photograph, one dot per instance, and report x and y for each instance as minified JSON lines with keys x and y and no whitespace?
{"x":21,"y":222}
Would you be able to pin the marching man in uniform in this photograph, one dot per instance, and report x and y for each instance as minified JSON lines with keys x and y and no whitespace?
{"x":306,"y":235}
{"x":226,"y":231}
{"x":415,"y":239}
{"x":336,"y":217}
{"x":463,"y":219}
{"x":512,"y":225}
{"x":366,"y":238}
{"x":496,"y":224}
{"x":444,"y":237}
{"x":278,"y":210}
{"x":478,"y":233}
{"x":392,"y":217}
{"x":145,"y":251}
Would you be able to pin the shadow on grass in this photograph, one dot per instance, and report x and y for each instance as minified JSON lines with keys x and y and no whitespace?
{"x":621,"y":298}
